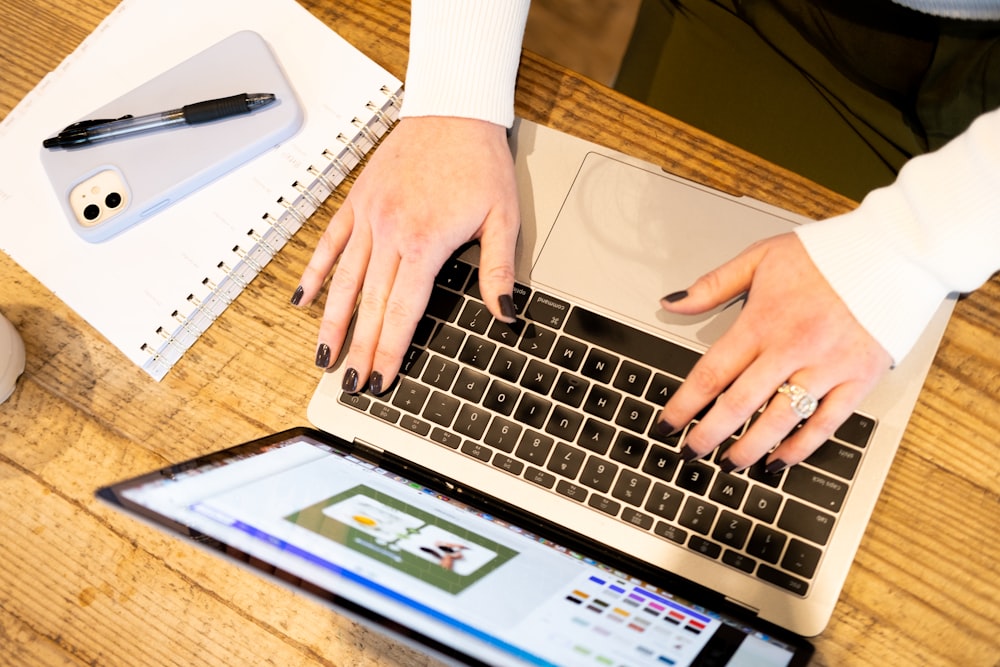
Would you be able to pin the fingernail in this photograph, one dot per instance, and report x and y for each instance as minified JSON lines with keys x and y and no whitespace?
{"x":673,"y":297}
{"x":664,"y":427}
{"x":689,"y":454}
{"x":375,"y":383}
{"x":507,"y":306}
{"x":297,"y":297}
{"x":726,"y":465}
{"x":350,"y":383}
{"x":323,"y":355}
{"x":775,"y":466}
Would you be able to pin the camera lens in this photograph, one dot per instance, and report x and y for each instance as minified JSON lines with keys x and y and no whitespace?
{"x":91,"y":212}
{"x":113,"y":200}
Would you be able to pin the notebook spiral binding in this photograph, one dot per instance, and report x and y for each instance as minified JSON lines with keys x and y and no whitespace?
{"x":265,"y":240}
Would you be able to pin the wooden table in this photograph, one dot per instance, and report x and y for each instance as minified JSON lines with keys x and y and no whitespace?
{"x":81,"y":584}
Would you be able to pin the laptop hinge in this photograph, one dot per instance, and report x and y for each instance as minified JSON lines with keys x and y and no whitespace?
{"x":754,"y":610}
{"x":368,"y":450}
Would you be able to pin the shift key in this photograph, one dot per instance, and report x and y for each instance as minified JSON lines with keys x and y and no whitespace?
{"x":821,"y":490}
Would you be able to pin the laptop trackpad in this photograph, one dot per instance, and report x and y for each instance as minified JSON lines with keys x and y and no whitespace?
{"x":625,"y":237}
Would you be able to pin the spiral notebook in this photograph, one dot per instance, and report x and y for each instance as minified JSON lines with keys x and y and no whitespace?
{"x":154,"y":289}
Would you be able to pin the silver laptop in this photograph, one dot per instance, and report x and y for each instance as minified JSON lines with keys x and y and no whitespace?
{"x":521,"y":414}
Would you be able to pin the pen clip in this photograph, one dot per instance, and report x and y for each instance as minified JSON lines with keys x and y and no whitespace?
{"x":84,"y":124}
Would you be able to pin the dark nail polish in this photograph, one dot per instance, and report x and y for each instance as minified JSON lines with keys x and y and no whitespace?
{"x":507,"y":306}
{"x":726,"y":465}
{"x":673,"y":297}
{"x":689,"y":454}
{"x":350,"y":383}
{"x":323,"y":355}
{"x":375,"y":383}
{"x":663,"y":427}
{"x":297,"y":297}
{"x":775,"y":466}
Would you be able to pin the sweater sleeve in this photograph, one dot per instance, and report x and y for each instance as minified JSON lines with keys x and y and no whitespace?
{"x":464,"y":56}
{"x":933,"y":232}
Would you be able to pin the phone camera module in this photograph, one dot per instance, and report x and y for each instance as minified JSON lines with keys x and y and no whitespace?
{"x":113,"y":200}
{"x":92,"y":212}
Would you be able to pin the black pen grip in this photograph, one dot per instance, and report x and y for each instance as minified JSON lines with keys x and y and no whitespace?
{"x":202,"y":112}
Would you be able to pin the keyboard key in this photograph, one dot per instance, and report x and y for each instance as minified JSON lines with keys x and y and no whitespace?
{"x":698,"y":515}
{"x":670,"y":532}
{"x":539,"y":377}
{"x":629,"y":449}
{"x":471,"y":385}
{"x":600,"y":365}
{"x":728,"y":490}
{"x":598,"y":474}
{"x":568,"y":353}
{"x":801,"y":559}
{"x":631,"y":488}
{"x":422,"y":334}
{"x":502,"y":434}
{"x":504,"y":462}
{"x":766,"y":544}
{"x":508,"y":364}
{"x":447,"y":340}
{"x":661,"y":389}
{"x":732,"y":529}
{"x":441,"y":408}
{"x":786,"y":581}
{"x":413,"y":361}
{"x":521,"y":296}
{"x":664,"y":501}
{"x":762,"y":504}
{"x":632,"y":378}
{"x":532,"y":410}
{"x":475,"y":317}
{"x":415,"y":425}
{"x":571,"y":490}
{"x":446,"y":438}
{"x":471,"y":421}
{"x":410,"y":396}
{"x":739,"y":561}
{"x":822,"y":490}
{"x":634,"y":415}
{"x":758,"y":472}
{"x":444,"y":305}
{"x":540,"y":477}
{"x":440,"y":373}
{"x":477,"y":352}
{"x":534,"y":448}
{"x":477,"y":451}
{"x":624,"y":340}
{"x":857,"y":430}
{"x":604,"y":504}
{"x":836,"y":458}
{"x":602,"y":402}
{"x":596,"y":436}
{"x":570,"y":389}
{"x":501,"y":397}
{"x":806,"y":522}
{"x":564,"y":423}
{"x":385,"y":413}
{"x":547,"y":310}
{"x":661,"y":463}
{"x":566,"y":460}
{"x":537,"y":340}
{"x":636,"y":518}
{"x":695,"y":476}
{"x":356,"y":401}
{"x":453,"y":274}
{"x":704,"y":547}
{"x":506,"y":333}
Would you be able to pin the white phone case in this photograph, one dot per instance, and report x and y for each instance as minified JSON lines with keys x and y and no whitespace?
{"x":126,"y":180}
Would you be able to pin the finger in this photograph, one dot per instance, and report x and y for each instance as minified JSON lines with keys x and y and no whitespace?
{"x":837,"y":406}
{"x":775,"y":423}
{"x":404,"y":308}
{"x":328,"y":250}
{"x":368,"y":323}
{"x":497,"y":245}
{"x":718,"y":286}
{"x":345,"y":285}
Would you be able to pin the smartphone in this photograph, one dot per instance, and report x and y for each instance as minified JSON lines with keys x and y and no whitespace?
{"x":106,"y":187}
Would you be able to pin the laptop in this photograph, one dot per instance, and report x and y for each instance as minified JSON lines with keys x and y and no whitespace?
{"x":509,"y":501}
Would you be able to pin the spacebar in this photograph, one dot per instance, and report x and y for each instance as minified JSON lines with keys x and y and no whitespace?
{"x":632,"y":343}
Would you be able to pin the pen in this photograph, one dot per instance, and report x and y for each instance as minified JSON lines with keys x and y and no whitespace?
{"x":91,"y":131}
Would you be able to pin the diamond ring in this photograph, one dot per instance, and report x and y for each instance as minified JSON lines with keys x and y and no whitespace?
{"x":802,"y":402}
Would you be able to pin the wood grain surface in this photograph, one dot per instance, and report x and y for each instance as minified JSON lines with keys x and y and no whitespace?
{"x":82,"y":584}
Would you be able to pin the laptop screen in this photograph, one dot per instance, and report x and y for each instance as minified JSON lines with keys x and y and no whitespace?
{"x":466,"y":584}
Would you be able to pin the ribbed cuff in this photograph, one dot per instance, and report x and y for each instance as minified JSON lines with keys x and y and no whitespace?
{"x":464,"y":56}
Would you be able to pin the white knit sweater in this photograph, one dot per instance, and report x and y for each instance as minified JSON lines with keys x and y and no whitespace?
{"x":935,"y":231}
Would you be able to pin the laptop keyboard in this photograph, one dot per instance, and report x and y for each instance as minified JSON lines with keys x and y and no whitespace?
{"x":568,"y":399}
